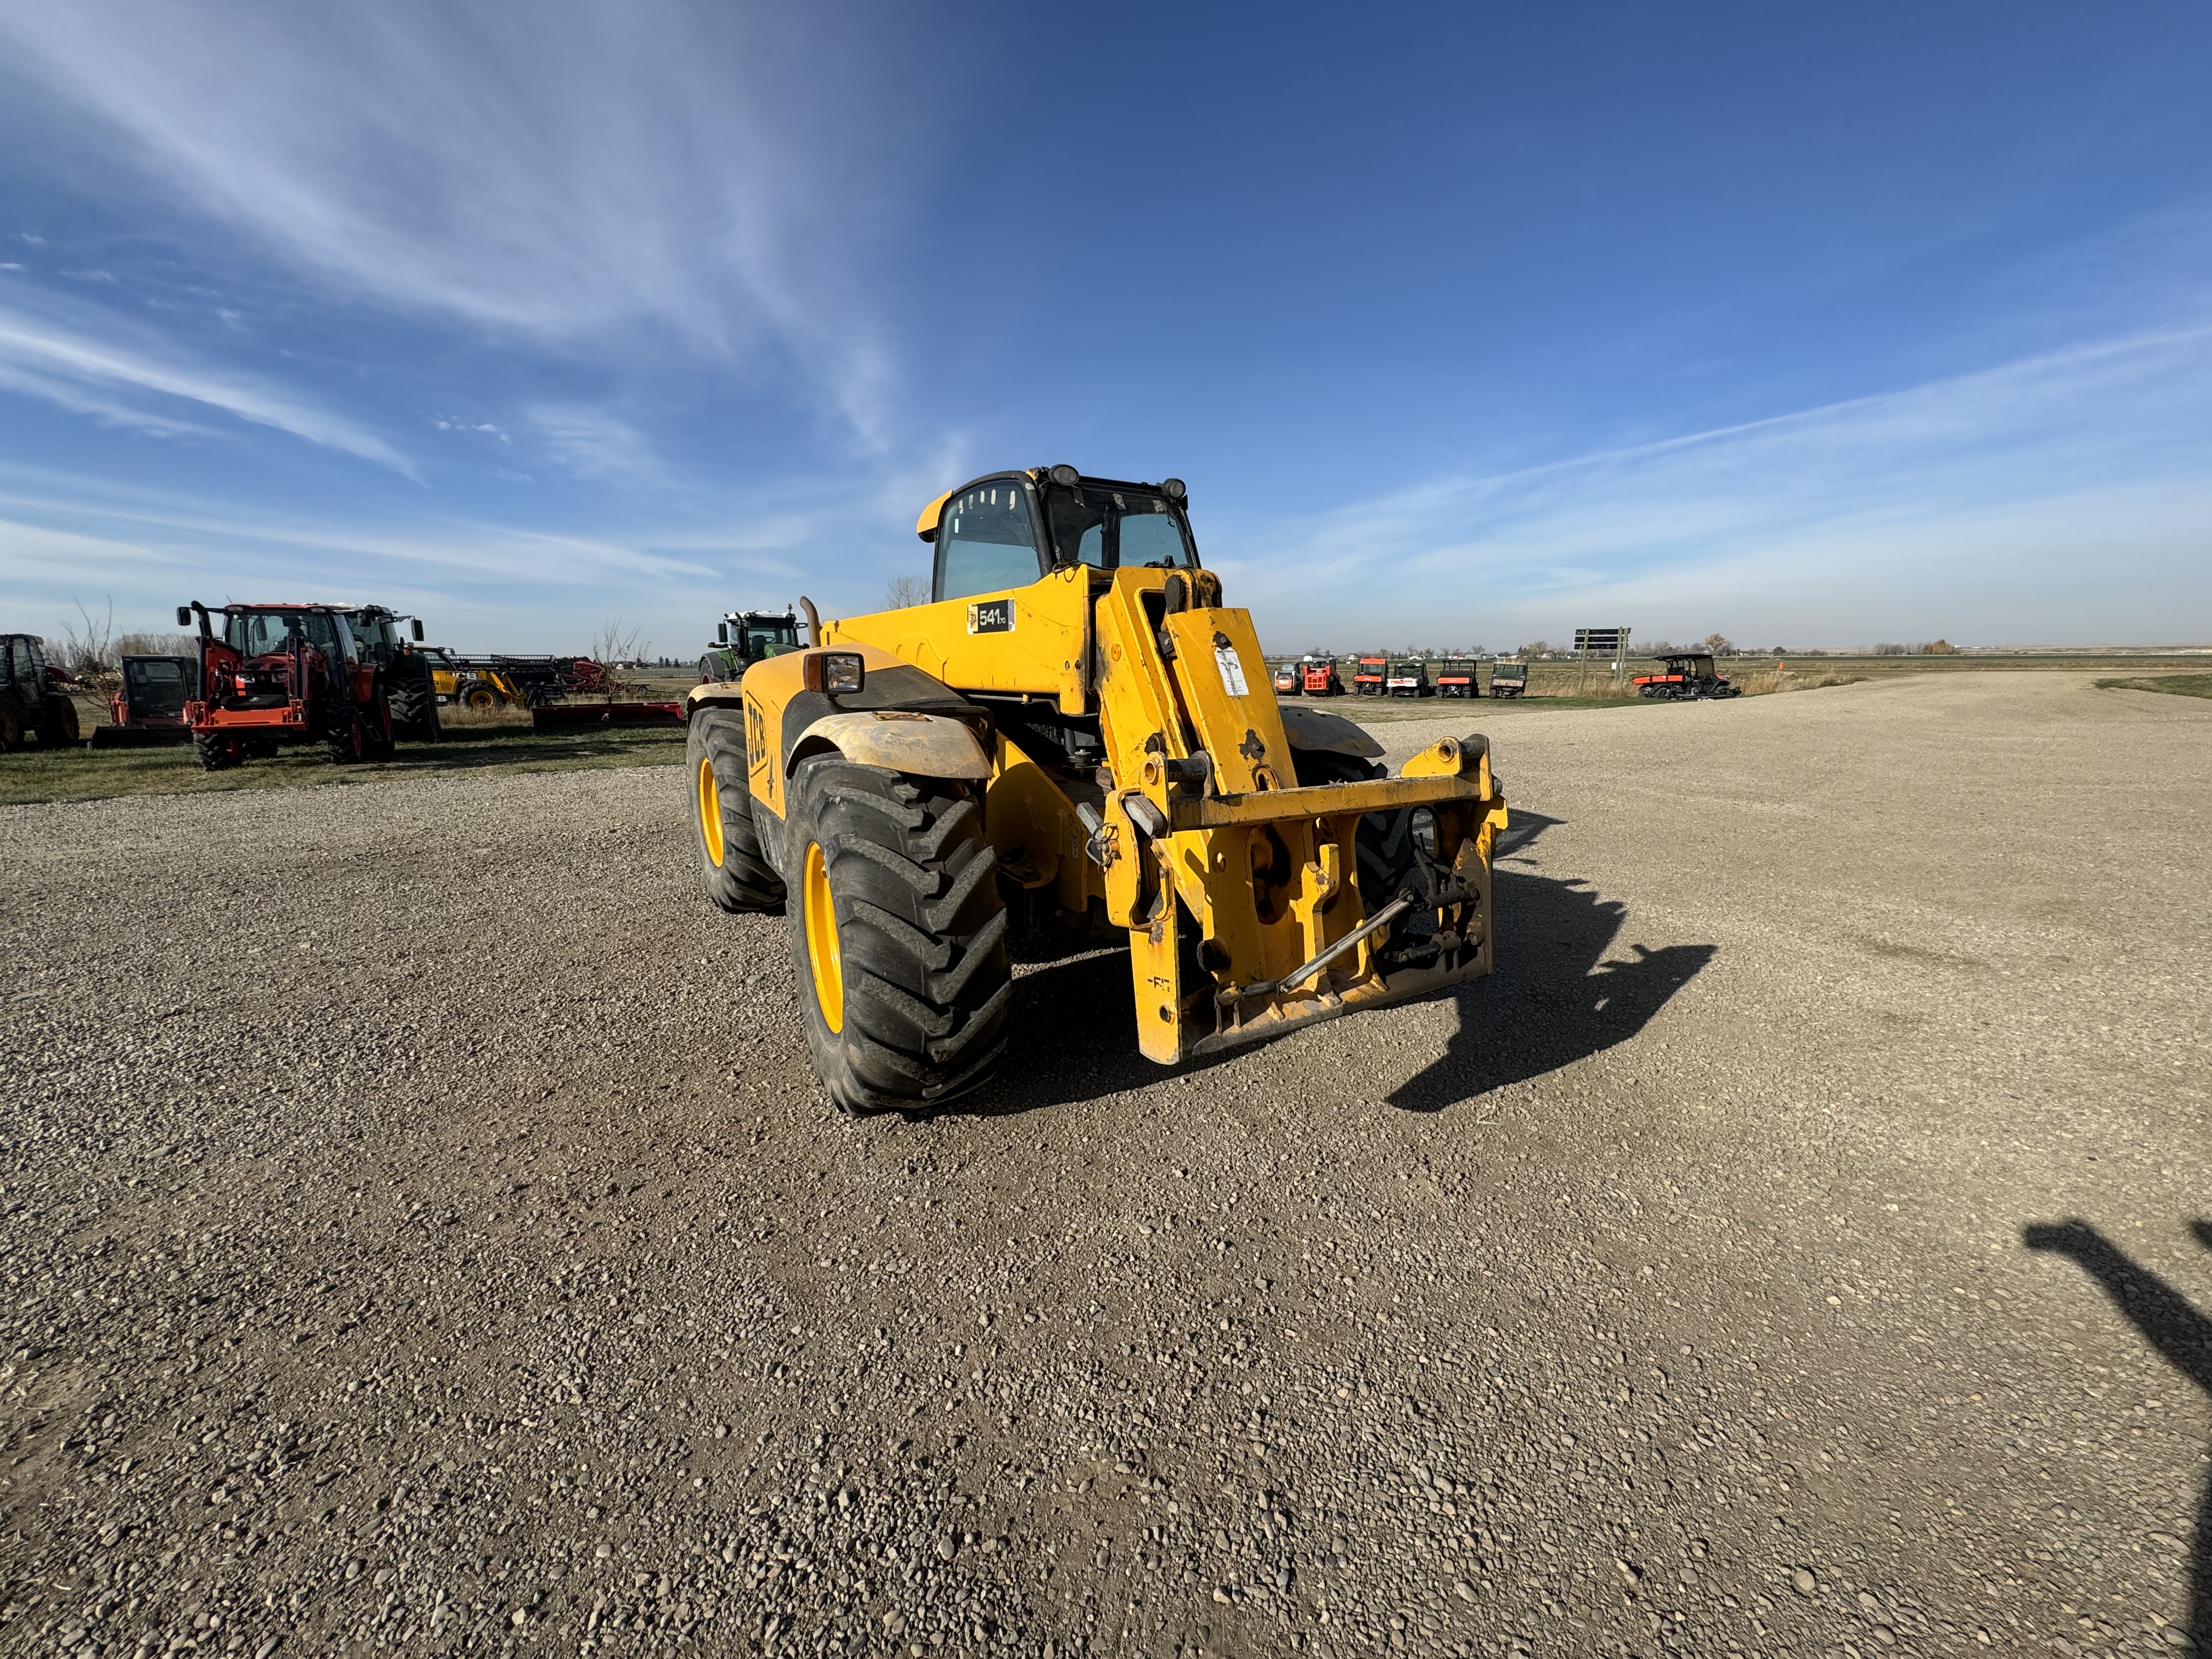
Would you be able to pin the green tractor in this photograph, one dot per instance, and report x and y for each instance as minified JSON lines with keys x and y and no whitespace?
{"x":743,"y":638}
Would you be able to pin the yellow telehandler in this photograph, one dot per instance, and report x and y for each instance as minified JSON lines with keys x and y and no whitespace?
{"x":1074,"y":738}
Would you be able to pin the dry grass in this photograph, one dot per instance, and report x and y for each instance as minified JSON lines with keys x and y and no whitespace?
{"x":453,"y":717}
{"x":1762,"y":682}
{"x":2179,"y":685}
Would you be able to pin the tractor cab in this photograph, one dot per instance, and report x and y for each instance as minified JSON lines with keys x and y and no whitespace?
{"x":276,"y":654}
{"x":1011,"y":528}
{"x":743,"y":638}
{"x":32,"y":701}
{"x":148,"y":707}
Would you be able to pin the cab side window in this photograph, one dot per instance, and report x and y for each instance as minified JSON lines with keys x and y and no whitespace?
{"x":987,"y":541}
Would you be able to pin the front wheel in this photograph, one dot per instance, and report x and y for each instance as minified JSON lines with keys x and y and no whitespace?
{"x":898,"y":934}
{"x":213,"y":753}
{"x":343,"y":739}
{"x":733,"y":868}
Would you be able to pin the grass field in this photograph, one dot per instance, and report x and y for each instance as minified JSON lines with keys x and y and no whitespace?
{"x":499,"y":744}
{"x":2179,"y":685}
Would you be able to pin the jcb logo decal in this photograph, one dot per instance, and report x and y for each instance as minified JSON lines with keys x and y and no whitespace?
{"x":755,"y":737}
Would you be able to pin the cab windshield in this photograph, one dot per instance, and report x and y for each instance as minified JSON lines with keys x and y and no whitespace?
{"x":770,"y":639}
{"x":1110,"y":525}
{"x":256,"y":633}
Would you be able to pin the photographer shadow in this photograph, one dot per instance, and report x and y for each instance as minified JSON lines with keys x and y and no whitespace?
{"x":2177,"y":1332}
{"x":1555,"y":998}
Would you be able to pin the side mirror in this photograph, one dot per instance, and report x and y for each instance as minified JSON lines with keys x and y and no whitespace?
{"x":416,"y":629}
{"x":184,"y":615}
{"x":722,"y":633}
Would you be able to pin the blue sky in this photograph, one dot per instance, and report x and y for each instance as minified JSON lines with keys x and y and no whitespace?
{"x":1810,"y":325}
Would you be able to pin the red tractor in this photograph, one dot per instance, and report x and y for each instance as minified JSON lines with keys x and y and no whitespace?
{"x":282,"y":674}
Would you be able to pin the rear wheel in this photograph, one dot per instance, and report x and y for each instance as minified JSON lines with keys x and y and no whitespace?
{"x":733,"y":867}
{"x":898,"y":933}
{"x":478,"y":696}
{"x":58,"y":724}
{"x":11,"y":730}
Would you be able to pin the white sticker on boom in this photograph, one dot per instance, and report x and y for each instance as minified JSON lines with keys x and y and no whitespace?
{"x":1232,"y":671}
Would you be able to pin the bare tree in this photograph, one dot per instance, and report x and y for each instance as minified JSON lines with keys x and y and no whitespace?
{"x":1719,"y":645}
{"x":618,"y":642}
{"x":1532,"y":650}
{"x":156,"y":645}
{"x":904,"y":590}
{"x":88,"y":645}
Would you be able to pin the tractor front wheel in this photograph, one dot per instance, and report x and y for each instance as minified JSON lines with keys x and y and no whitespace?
{"x":343,"y":740}
{"x":213,"y":753}
{"x":898,"y":934}
{"x":414,"y":708}
{"x":733,"y":868}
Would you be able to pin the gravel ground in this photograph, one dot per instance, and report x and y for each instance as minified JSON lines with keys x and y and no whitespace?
{"x":422,"y":1231}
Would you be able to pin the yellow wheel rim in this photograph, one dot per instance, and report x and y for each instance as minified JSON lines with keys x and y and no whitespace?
{"x":822,"y":954}
{"x":710,"y":812}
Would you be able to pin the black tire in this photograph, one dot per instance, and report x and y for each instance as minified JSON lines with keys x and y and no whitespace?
{"x":477,"y":695}
{"x":742,"y":877}
{"x":414,"y":708}
{"x":919,"y":930}
{"x":58,"y":722}
{"x":343,"y":740}
{"x":213,"y":753}
{"x":11,"y":732}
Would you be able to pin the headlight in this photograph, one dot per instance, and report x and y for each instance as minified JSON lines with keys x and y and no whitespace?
{"x":835,"y":674}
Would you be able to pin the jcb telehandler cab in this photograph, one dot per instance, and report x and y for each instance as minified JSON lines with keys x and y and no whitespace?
{"x":1074,"y":739}
{"x":285,"y":674}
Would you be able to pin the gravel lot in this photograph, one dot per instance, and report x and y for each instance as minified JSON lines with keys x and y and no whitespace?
{"x":421,"y":1231}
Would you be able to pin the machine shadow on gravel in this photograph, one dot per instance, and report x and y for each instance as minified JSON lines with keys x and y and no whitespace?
{"x":2176,"y":1332}
{"x":1554,"y":998}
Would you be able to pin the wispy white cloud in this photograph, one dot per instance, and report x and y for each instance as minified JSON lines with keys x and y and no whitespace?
{"x":564,"y":172}
{"x":591,"y":443}
{"x":85,"y":371}
{"x":1861,"y":514}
